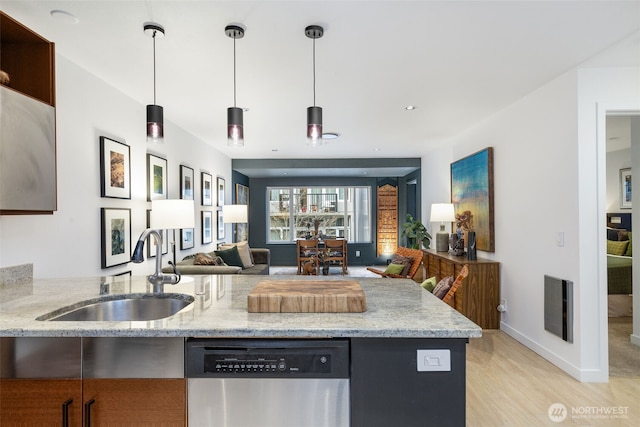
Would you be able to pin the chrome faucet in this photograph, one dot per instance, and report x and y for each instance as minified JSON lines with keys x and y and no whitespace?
{"x":157,"y":279}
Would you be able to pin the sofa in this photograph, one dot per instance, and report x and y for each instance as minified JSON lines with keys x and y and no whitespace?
{"x":261,"y":261}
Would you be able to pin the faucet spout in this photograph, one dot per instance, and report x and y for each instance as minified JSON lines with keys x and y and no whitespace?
{"x":158,"y":280}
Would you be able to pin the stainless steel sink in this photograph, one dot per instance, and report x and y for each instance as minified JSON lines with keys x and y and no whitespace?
{"x":122,"y":308}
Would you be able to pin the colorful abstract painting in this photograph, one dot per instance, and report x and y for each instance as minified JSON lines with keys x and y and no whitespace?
{"x":472,"y":191}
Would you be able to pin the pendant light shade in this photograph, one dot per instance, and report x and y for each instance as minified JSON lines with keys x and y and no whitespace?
{"x":235,"y":126}
{"x":314,"y":113}
{"x":155,"y":116}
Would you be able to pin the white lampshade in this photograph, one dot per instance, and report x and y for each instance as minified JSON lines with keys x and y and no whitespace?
{"x":168,"y":214}
{"x":442,"y":212}
{"x":233,"y":214}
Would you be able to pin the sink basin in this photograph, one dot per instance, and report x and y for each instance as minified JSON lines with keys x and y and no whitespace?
{"x":122,"y":308}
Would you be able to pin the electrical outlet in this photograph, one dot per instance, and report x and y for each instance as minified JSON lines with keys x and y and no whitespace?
{"x":357,"y":254}
{"x":434,"y":360}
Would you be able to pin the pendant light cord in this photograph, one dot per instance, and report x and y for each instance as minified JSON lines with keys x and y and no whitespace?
{"x":234,"y":72}
{"x":314,"y":72}
{"x":154,"y":66}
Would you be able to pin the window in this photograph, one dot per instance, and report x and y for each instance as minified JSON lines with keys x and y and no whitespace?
{"x":330,"y":212}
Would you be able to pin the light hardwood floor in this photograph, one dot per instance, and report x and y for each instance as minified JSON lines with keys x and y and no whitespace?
{"x":510,"y":385}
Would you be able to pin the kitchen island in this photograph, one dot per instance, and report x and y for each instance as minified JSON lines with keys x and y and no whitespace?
{"x":391,"y":379}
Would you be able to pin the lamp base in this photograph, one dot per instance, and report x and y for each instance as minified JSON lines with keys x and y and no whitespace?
{"x":442,"y":242}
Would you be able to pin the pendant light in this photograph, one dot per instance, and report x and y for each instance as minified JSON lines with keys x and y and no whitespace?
{"x":235,"y":128}
{"x":314,"y":113}
{"x":155,"y":119}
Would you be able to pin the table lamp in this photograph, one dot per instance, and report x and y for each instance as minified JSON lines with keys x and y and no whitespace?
{"x":442,"y":212}
{"x":172,"y":214}
{"x":235,"y":214}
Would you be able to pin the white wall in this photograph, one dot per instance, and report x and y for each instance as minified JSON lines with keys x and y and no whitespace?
{"x":67,"y":243}
{"x":548,"y":179}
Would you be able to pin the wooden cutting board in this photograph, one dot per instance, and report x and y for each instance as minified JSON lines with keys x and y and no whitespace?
{"x":313,"y":296}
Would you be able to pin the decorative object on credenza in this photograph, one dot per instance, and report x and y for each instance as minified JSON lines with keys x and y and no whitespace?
{"x":417,"y":234}
{"x":156,"y":177}
{"x":472,"y":190}
{"x":442,"y":212}
{"x":471,"y":246}
{"x":155,"y":119}
{"x":235,"y":127}
{"x":457,"y":244}
{"x":115,"y":169}
{"x":115,"y":236}
{"x":206,"y":184}
{"x":625,"y":188}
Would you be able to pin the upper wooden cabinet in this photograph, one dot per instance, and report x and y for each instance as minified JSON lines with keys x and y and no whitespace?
{"x":28,"y":59}
{"x":28,"y":176}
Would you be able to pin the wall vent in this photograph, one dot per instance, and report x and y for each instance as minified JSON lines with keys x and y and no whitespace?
{"x":558,"y":307}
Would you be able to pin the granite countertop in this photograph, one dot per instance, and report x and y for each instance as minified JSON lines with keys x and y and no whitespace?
{"x":396,"y":308}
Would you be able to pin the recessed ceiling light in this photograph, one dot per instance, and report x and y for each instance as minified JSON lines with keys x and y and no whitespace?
{"x":376,"y":149}
{"x":330,"y":135}
{"x":64,"y":16}
{"x":410,"y":107}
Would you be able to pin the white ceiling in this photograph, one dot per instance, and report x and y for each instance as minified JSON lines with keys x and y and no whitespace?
{"x":457,"y":61}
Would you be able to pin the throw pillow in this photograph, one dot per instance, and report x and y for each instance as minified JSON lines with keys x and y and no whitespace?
{"x":443,"y":287}
{"x":429,"y":284}
{"x":617,"y":248}
{"x":203,"y":259}
{"x":243,"y":250}
{"x":394,"y":269}
{"x":230,"y":256}
{"x":629,"y":252}
{"x":405,"y":261}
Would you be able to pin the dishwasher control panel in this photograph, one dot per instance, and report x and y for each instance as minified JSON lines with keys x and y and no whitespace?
{"x":211,"y":358}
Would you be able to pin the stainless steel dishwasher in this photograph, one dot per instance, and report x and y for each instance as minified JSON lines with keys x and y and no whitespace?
{"x":268,"y":382}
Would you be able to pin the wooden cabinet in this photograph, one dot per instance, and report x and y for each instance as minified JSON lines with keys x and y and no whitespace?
{"x":27,"y":122}
{"x":479,"y":295}
{"x":40,"y":402}
{"x":135,"y":401}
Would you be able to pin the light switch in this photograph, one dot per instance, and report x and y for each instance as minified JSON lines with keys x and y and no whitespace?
{"x":560,"y":238}
{"x":434,"y":360}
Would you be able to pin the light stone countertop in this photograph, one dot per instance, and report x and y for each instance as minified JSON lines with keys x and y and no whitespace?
{"x":396,"y":308}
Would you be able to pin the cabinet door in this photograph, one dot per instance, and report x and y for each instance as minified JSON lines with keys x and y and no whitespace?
{"x":41,"y":402}
{"x":135,"y":401}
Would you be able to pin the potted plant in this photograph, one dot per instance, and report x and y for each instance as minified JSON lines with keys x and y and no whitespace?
{"x":417,"y":234}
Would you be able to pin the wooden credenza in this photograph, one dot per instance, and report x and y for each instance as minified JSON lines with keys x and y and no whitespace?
{"x":479,"y":295}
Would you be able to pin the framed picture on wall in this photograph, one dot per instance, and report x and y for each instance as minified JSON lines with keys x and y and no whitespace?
{"x":207,"y":228}
{"x":186,"y":238}
{"x":156,"y":177}
{"x":472,"y":195}
{"x":625,"y":188}
{"x":220,"y":191}
{"x":220,"y":226}
{"x":241,"y":231}
{"x":206,"y":182}
{"x":115,"y":169}
{"x":115,"y":236}
{"x":186,"y":182}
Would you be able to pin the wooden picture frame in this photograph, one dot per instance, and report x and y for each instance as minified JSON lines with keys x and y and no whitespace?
{"x":472,"y":191}
{"x":206,"y":190}
{"x":115,"y":236}
{"x":207,"y":227}
{"x":186,"y":182}
{"x":220,"y":234}
{"x":115,"y":169}
{"x":156,"y":178}
{"x":151,"y":241}
{"x":220,"y":186}
{"x":625,"y":188}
